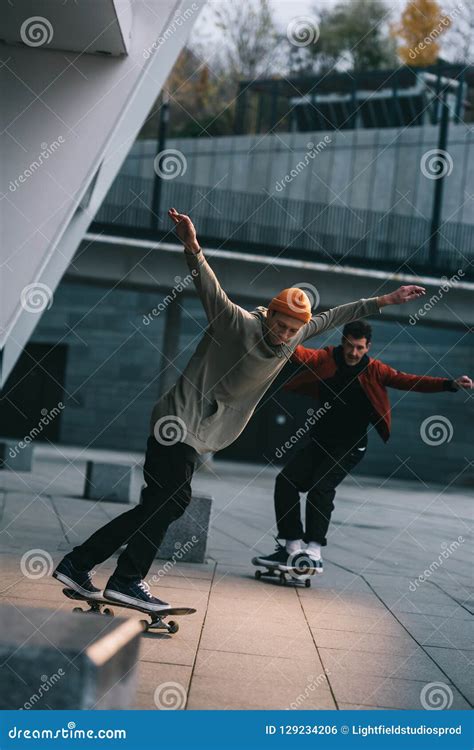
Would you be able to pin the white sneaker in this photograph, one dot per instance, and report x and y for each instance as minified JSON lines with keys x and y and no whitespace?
{"x":313,"y":549}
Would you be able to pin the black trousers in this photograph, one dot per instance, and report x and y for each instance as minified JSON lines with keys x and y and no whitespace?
{"x":316,"y":469}
{"x":168,"y":471}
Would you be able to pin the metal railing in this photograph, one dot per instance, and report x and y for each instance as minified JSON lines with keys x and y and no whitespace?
{"x":257,"y":222}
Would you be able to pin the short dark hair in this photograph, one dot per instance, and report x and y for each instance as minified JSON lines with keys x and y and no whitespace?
{"x":358,"y":329}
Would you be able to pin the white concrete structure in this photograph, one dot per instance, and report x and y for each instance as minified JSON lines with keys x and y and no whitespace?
{"x":77,"y":81}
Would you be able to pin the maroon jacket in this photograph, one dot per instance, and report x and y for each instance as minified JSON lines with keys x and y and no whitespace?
{"x":374,"y":379}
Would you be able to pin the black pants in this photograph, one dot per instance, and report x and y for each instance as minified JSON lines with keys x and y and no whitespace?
{"x":168,"y":472}
{"x":317,"y":470}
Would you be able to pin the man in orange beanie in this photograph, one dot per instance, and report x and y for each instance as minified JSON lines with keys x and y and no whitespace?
{"x":237,"y":359}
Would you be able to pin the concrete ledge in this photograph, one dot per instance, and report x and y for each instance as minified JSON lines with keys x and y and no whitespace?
{"x":108,"y":481}
{"x":66,"y":660}
{"x":14,"y":457}
{"x":186,"y":538}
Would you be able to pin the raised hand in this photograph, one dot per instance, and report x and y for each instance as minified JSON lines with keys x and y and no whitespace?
{"x":402,"y":295}
{"x":185,"y":230}
{"x":463,"y":382}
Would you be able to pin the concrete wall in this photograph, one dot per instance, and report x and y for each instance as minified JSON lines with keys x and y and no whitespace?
{"x":362,"y":169}
{"x":114,"y":361}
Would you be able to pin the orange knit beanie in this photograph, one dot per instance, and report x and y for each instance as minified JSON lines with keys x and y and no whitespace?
{"x":293,"y":302}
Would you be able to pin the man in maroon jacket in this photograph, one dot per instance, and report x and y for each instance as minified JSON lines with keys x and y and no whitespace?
{"x":352,"y":390}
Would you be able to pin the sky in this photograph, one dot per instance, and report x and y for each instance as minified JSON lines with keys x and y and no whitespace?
{"x":285,"y":10}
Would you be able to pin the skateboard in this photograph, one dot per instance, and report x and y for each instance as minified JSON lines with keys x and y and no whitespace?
{"x":285,"y":576}
{"x":104,"y":607}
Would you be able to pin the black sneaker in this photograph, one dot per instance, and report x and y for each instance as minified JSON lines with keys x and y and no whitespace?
{"x":279,"y":558}
{"x":76,"y":579}
{"x":135,"y":593}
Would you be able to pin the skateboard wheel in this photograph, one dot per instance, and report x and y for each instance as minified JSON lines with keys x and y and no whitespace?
{"x":173,"y":626}
{"x":78,"y":609}
{"x":282,"y":578}
{"x":109,"y":612}
{"x":145,"y":624}
{"x":307,"y":583}
{"x":258,"y":574}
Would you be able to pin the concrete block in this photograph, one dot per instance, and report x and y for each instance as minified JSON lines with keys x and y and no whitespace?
{"x":61,"y":660}
{"x":15,"y":455}
{"x":108,"y":481}
{"x":186,"y":538}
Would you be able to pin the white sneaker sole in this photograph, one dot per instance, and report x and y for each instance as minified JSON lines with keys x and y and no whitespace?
{"x":115,"y":596}
{"x":75,"y":586}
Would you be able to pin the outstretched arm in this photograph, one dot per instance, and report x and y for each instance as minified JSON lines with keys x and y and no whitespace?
{"x":304,"y":356}
{"x":218,"y":307}
{"x":353,"y":310}
{"x":404,"y":381}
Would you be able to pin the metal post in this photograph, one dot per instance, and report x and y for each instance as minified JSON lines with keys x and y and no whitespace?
{"x":240,"y":116}
{"x":439,"y":183}
{"x":155,"y":218}
{"x":460,"y":98}
{"x":273,"y":110}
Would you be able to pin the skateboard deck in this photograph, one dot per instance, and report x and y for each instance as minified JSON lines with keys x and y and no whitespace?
{"x":104,"y":607}
{"x":284,"y":576}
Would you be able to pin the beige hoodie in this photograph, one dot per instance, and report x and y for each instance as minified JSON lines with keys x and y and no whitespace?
{"x":233,"y":364}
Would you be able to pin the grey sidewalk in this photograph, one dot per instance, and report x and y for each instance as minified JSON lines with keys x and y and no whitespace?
{"x":370,"y":633}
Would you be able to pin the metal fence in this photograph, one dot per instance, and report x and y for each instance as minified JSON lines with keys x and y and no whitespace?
{"x":289,"y":228}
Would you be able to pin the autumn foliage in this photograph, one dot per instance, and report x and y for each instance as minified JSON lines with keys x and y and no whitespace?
{"x":419,"y":29}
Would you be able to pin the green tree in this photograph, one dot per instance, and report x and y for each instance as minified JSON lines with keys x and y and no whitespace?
{"x":354,"y":35}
